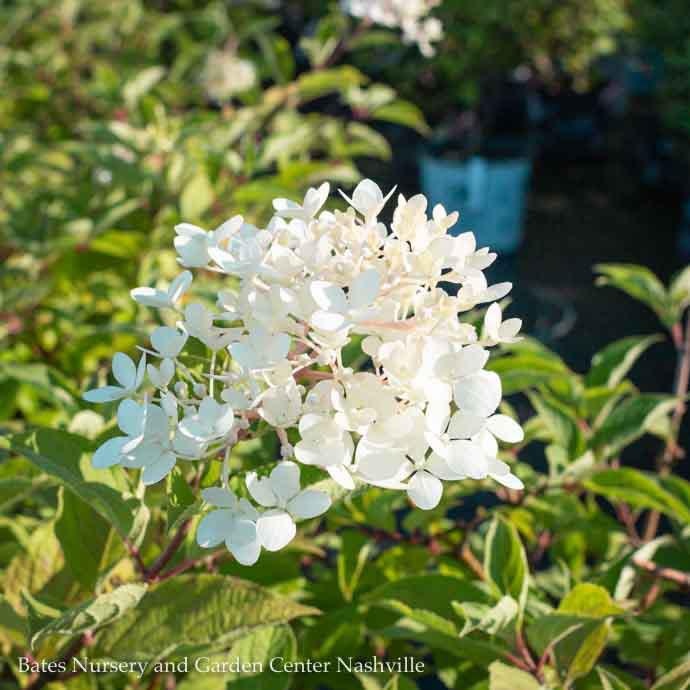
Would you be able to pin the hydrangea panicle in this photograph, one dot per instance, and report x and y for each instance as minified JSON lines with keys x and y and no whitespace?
{"x":424,"y":413}
{"x":408,"y":15}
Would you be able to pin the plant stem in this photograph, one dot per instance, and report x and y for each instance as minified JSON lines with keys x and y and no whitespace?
{"x":678,"y":577}
{"x":152,"y":573}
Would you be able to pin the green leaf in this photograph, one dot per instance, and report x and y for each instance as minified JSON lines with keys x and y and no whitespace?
{"x":352,"y":558}
{"x":609,"y":681}
{"x":91,"y":615}
{"x":32,"y":569}
{"x":488,"y":619}
{"x":315,"y":84}
{"x":84,"y":536}
{"x":196,"y":197}
{"x":195,"y":611}
{"x":641,"y":284}
{"x":612,"y":364}
{"x":141,"y":84}
{"x":630,"y":420}
{"x":430,"y":592}
{"x":504,"y":677}
{"x":402,"y":113}
{"x":65,"y":456}
{"x":578,"y":631}
{"x":589,"y":600}
{"x":182,"y":503}
{"x":640,"y":490}
{"x":505,"y":561}
{"x":561,"y":424}
{"x":259,"y":647}
{"x":522,"y":371}
{"x":679,"y":289}
{"x":676,"y":679}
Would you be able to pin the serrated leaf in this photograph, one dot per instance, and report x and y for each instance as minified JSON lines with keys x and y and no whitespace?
{"x":91,"y":615}
{"x":195,"y":611}
{"x":612,"y":364}
{"x":640,"y":490}
{"x":630,"y":420}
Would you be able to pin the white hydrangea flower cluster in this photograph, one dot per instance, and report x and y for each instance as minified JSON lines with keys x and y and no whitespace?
{"x":409,"y":15}
{"x":424,"y":413}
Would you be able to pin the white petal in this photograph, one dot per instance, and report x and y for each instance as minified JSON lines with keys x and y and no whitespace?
{"x":364,"y":289}
{"x":378,"y":463}
{"x":124,"y":371}
{"x":327,"y":321}
{"x":275,"y":529}
{"x":465,"y":425}
{"x":470,"y":360}
{"x":243,"y":542}
{"x":141,"y":371}
{"x":437,"y":414}
{"x":152,"y":474}
{"x":492,"y":320}
{"x":223,"y":498}
{"x":150,"y":297}
{"x":467,"y":458}
{"x":131,"y":417}
{"x":509,"y":480}
{"x":505,"y":428}
{"x":284,"y":480}
{"x":328,"y":296}
{"x":308,"y":504}
{"x":439,"y":467}
{"x":510,"y":328}
{"x":260,"y":490}
{"x":214,"y":528}
{"x":105,"y":394}
{"x":478,"y":394}
{"x":179,"y":286}
{"x":425,"y":490}
{"x":341,"y":476}
{"x":168,"y":341}
{"x":109,"y":453}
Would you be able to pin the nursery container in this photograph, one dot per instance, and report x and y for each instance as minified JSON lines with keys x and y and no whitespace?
{"x":489,"y":193}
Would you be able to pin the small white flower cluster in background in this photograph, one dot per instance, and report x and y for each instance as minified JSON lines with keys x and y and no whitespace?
{"x":226,"y":74}
{"x":409,"y":15}
{"x":423,"y":413}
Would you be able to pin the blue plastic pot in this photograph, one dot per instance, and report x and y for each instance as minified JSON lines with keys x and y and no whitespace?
{"x":489,"y":194}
